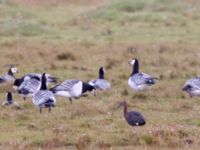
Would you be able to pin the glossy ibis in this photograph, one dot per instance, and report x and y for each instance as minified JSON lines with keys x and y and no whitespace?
{"x":133,"y":118}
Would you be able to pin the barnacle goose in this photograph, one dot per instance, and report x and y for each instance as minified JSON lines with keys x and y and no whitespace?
{"x":44,"y":97}
{"x":139,"y":81}
{"x":19,"y":81}
{"x":29,"y":87}
{"x":100,"y":83}
{"x":192,"y":86}
{"x":9,"y":100}
{"x":72,"y":89}
{"x":9,"y":77}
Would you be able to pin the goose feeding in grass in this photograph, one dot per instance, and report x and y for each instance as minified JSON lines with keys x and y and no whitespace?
{"x":139,"y":81}
{"x":133,"y":118}
{"x":192,"y":86}
{"x":29,"y":87}
{"x":101,"y":83}
{"x":9,"y":77}
{"x":9,"y":100}
{"x":44,"y":97}
{"x":19,"y":81}
{"x":72,"y":89}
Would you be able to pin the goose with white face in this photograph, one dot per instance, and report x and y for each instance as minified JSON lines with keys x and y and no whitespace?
{"x":139,"y":81}
{"x":14,"y":70}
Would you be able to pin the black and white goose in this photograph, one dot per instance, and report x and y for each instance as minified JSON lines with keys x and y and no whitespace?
{"x":44,"y":97}
{"x":101,"y":83}
{"x":72,"y":89}
{"x":9,"y":77}
{"x":9,"y":100}
{"x":29,"y":87}
{"x":139,"y":81}
{"x":192,"y":86}
{"x":19,"y":81}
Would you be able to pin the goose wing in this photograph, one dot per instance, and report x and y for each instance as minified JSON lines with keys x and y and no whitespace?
{"x":143,"y":78}
{"x":65,"y":86}
{"x":43,"y":97}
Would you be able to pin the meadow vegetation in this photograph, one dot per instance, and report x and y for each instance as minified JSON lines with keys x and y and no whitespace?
{"x":71,"y":39}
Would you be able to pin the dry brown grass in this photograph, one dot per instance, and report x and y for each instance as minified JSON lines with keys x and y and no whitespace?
{"x":79,"y":45}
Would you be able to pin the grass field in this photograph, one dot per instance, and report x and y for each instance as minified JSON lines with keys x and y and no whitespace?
{"x":72,"y":39}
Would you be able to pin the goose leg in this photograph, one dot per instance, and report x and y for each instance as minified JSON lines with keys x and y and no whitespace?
{"x":40,"y":109}
{"x":49,"y":109}
{"x":24,"y":98}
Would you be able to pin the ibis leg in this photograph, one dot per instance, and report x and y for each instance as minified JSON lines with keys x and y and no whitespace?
{"x":49,"y":109}
{"x":40,"y":109}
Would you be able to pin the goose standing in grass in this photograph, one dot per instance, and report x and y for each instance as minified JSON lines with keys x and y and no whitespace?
{"x":72,"y":89}
{"x":9,"y":100}
{"x":9,"y":77}
{"x":44,"y":97}
{"x":139,"y":81}
{"x":29,"y":87}
{"x":101,"y":83}
{"x":192,"y":87}
{"x":133,"y":118}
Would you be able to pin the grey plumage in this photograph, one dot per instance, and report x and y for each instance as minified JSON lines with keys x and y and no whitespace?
{"x":44,"y":97}
{"x":101,"y":83}
{"x":192,"y":86}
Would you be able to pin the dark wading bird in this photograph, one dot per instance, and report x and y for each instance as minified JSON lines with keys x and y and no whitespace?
{"x":133,"y":118}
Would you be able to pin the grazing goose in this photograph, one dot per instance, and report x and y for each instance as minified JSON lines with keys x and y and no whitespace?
{"x":9,"y":100}
{"x":44,"y":97}
{"x":9,"y":77}
{"x":192,"y":87}
{"x":29,"y":87}
{"x":139,"y":81}
{"x":72,"y":89}
{"x":133,"y":118}
{"x":100,"y":83}
{"x":19,"y":81}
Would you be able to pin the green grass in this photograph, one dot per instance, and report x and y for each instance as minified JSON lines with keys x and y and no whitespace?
{"x":72,"y":41}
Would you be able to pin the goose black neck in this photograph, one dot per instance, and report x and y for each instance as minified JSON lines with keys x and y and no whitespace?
{"x":44,"y":85}
{"x":135,"y":67}
{"x":87,"y":87}
{"x":101,"y":73}
{"x":10,"y":72}
{"x":9,"y":96}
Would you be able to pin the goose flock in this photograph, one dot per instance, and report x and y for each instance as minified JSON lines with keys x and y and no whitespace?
{"x":35,"y":85}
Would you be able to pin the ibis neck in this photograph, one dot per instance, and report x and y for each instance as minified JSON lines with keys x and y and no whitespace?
{"x":135,"y":68}
{"x":125,"y":109}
